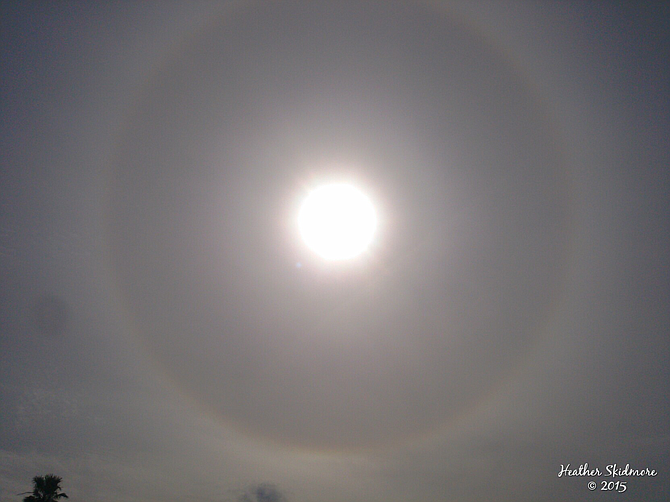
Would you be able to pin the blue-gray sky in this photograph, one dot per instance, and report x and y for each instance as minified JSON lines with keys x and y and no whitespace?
{"x":159,"y":340}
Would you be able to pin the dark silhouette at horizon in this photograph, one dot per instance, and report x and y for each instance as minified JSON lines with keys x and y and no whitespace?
{"x":45,"y":489}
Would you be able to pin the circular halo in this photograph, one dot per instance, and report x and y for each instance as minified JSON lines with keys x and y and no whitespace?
{"x":478,"y":281}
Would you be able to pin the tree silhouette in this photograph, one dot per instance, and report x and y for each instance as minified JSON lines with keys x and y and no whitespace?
{"x":45,"y":489}
{"x":264,"y":492}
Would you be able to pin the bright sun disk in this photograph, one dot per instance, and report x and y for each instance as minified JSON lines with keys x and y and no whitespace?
{"x":337,"y":221}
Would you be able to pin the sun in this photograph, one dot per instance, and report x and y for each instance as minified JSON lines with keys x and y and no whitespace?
{"x":337,"y":221}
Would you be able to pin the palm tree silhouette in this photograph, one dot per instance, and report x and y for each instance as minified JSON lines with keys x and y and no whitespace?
{"x":45,"y":489}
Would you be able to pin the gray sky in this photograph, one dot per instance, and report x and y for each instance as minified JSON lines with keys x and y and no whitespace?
{"x":166,"y":335}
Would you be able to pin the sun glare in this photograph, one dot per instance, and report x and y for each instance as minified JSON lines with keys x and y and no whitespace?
{"x":337,"y":221}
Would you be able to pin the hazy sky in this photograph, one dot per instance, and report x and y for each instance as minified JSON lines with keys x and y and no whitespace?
{"x":167,"y":336}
